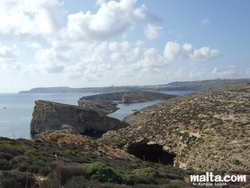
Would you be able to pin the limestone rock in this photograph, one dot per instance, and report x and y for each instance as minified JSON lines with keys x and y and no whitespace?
{"x":102,"y":106}
{"x":50,"y":116}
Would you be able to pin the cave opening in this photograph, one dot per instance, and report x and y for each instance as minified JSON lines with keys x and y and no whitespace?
{"x":94,"y":133}
{"x":153,"y":153}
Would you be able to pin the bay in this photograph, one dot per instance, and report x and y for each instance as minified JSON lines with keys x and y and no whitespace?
{"x":16,"y":109}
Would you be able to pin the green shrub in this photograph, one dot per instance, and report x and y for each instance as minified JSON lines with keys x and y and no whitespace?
{"x":33,"y":169}
{"x":50,"y":183}
{"x":148,"y":186}
{"x":76,"y":182}
{"x":150,"y":172}
{"x":9,"y":150}
{"x":102,"y":173}
{"x":22,"y":168}
{"x":22,"y":158}
{"x":12,"y":179}
{"x":6,"y":156}
{"x":143,"y":179}
{"x":82,"y":182}
{"x":236,"y":162}
{"x":176,"y":184}
{"x":44,"y":171}
{"x":5,"y":165}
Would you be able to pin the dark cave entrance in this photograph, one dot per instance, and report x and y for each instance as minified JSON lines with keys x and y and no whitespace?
{"x":93,"y":133}
{"x":153,"y":153}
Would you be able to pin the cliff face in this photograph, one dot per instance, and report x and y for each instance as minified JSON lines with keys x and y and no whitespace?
{"x":50,"y":116}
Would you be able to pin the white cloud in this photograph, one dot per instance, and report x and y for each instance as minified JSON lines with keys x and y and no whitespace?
{"x":139,"y":43}
{"x":102,"y":48}
{"x":248,"y":71}
{"x":215,"y":71}
{"x":39,"y":23}
{"x":90,"y":72}
{"x":49,"y":61}
{"x":205,"y":21}
{"x":100,"y":2}
{"x":222,"y":73}
{"x":188,"y":73}
{"x":112,"y":19}
{"x":176,"y":75}
{"x":204,"y":54}
{"x":141,"y":12}
{"x":8,"y":58}
{"x":188,"y":49}
{"x":123,"y":51}
{"x":92,"y":58}
{"x":197,"y":74}
{"x":90,"y":45}
{"x":74,"y":71}
{"x":6,"y":52}
{"x":172,"y":51}
{"x":152,"y":32}
{"x":32,"y":18}
{"x":151,"y":62}
{"x":42,"y":23}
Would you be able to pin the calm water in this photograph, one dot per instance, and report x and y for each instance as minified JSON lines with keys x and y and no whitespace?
{"x":16,"y":110}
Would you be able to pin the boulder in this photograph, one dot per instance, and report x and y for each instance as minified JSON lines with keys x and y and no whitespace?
{"x":51,"y":116}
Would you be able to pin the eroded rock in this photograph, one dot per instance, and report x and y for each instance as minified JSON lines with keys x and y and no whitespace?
{"x":50,"y":116}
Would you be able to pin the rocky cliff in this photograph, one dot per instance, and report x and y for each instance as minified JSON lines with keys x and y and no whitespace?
{"x":50,"y":116}
{"x":208,"y":130}
{"x":129,"y":97}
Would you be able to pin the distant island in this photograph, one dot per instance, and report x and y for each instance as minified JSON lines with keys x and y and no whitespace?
{"x":173,"y":86}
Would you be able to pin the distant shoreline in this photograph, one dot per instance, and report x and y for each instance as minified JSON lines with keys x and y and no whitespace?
{"x":173,"y":86}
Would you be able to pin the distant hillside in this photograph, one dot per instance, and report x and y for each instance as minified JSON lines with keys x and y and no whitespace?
{"x":202,"y":84}
{"x":173,"y":86}
{"x":83,"y":90}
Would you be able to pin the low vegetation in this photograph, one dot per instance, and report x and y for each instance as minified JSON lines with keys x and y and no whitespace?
{"x":46,"y":163}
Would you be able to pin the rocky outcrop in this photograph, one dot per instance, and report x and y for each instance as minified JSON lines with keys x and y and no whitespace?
{"x":50,"y":116}
{"x":129,"y":97}
{"x":102,"y":106}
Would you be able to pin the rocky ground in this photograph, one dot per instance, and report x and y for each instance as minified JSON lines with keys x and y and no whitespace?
{"x":209,"y":130}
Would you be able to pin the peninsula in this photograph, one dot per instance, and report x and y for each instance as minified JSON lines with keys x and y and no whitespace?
{"x":105,"y":104}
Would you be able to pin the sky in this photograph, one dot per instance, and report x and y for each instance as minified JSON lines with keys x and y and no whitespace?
{"x":87,"y":43}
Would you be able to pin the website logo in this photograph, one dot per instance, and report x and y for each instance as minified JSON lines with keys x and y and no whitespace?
{"x":209,"y":179}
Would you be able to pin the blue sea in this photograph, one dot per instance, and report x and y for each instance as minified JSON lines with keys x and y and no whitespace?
{"x":16,"y":109}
